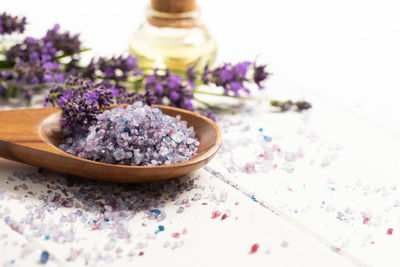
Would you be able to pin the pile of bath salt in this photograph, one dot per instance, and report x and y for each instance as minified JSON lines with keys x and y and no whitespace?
{"x":137,"y":135}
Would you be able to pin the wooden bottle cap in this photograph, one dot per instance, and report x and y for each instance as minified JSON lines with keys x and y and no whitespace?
{"x":173,"y":13}
{"x":173,"y":6}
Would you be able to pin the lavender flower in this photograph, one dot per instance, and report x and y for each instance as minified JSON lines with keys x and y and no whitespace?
{"x":125,"y":97}
{"x":78,"y":112}
{"x":260,"y":75}
{"x":231,"y":78}
{"x":34,"y":61}
{"x":116,"y":68}
{"x":303,"y":105}
{"x":63,"y":42}
{"x":53,"y":95}
{"x":81,"y":100}
{"x":168,"y":86}
{"x":46,"y":49}
{"x":35,"y":71}
{"x":288,"y":104}
{"x":10,"y":24}
{"x":283,"y":105}
{"x":191,"y":75}
{"x":34,"y":74}
{"x":32,"y":49}
{"x":234,"y":78}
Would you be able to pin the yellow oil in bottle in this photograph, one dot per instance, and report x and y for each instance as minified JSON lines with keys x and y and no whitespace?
{"x":175,"y":48}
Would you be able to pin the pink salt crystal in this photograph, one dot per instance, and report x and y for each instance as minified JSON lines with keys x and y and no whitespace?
{"x":215,"y":214}
{"x":175,"y":235}
{"x":254,"y":248}
{"x":300,"y":152}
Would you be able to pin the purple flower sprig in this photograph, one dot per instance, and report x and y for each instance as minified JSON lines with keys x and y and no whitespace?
{"x":233,"y":79}
{"x":80,"y":100}
{"x":64,"y":42}
{"x":10,"y":24}
{"x":165,"y":87}
{"x":116,"y":68}
{"x":289,"y":104}
{"x":53,"y":45}
{"x":35,"y":64}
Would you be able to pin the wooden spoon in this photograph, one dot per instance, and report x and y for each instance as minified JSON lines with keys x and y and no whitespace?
{"x":32,"y":136}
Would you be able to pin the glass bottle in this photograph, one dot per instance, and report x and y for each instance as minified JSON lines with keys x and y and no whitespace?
{"x":172,"y":37}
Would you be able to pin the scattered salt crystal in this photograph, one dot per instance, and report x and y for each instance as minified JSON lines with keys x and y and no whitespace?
{"x":284,"y":243}
{"x":110,"y":245}
{"x":180,"y":209}
{"x":254,"y":248}
{"x":196,"y":196}
{"x":289,"y":156}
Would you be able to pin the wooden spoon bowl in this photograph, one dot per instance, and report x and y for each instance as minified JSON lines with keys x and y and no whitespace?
{"x":32,"y":136}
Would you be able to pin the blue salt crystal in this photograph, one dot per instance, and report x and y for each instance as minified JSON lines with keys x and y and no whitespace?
{"x":82,"y":190}
{"x":20,"y":175}
{"x":267,"y":138}
{"x":44,"y":257}
{"x":156,"y":212}
{"x":111,"y":244}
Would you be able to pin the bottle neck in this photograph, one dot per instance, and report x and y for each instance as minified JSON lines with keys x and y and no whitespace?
{"x":173,"y":20}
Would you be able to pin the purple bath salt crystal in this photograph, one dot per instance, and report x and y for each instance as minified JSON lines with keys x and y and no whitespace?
{"x":290,"y":156}
{"x":137,"y":135}
{"x":119,"y":154}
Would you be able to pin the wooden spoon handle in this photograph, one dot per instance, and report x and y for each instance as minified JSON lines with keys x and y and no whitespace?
{"x":20,"y":133}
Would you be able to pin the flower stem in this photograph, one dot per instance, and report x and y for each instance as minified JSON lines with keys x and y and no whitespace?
{"x":4,"y":64}
{"x":224,"y":110}
{"x":80,"y":51}
{"x":217,"y":94}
